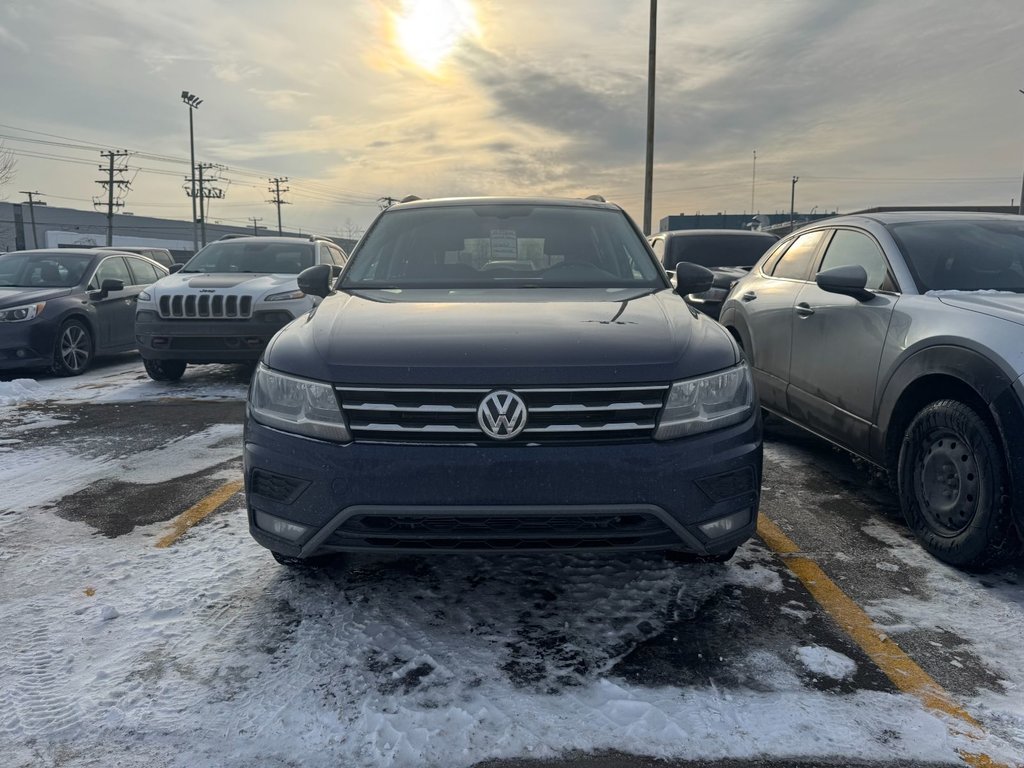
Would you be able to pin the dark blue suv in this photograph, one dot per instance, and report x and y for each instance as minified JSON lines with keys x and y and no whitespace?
{"x":502,"y":374}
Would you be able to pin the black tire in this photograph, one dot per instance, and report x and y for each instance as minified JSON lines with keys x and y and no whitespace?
{"x":73,"y":349}
{"x":954,"y":487}
{"x":165,"y":370}
{"x":692,"y":558}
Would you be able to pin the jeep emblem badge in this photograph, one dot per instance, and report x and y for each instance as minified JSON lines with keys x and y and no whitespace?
{"x":501,"y":414}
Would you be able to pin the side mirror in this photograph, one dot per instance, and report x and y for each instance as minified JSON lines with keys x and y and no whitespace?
{"x":316,"y":281}
{"x":176,"y":267}
{"x":335,"y":270}
{"x":108,"y":286}
{"x":850,"y":280}
{"x":692,"y":278}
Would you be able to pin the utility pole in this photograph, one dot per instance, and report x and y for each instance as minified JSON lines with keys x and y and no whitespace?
{"x":1020,"y":209}
{"x":32,"y":215}
{"x":110,"y":183}
{"x":276,"y":199}
{"x":649,"y":167}
{"x":193,"y":103}
{"x":205,"y":192}
{"x":753,"y":184}
{"x":792,"y":199}
{"x":254,"y":219}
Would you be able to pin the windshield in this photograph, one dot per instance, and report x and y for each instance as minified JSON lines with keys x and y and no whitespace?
{"x":276,"y":258}
{"x":508,"y":246}
{"x":963,"y":255}
{"x":42,"y":270}
{"x":714,"y":251}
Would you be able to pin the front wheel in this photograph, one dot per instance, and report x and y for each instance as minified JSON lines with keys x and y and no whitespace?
{"x":73,"y":349}
{"x":165,"y":370}
{"x":954,"y":487}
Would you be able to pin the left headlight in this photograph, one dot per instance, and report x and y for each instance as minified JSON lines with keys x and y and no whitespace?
{"x":706,"y":403}
{"x":297,"y":405}
{"x":20,"y":314}
{"x":145,"y":296}
{"x":286,"y":296}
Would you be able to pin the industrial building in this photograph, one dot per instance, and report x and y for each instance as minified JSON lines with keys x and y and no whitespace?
{"x":46,"y":226}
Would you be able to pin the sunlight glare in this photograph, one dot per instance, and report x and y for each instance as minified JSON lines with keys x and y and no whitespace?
{"x":428,"y":30}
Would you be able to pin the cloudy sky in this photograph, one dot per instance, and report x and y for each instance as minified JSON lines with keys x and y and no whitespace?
{"x":868,"y":102}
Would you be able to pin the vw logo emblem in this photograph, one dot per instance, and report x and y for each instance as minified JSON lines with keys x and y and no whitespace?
{"x":501,"y":414}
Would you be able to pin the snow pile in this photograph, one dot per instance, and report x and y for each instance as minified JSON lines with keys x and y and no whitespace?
{"x":18,"y":391}
{"x":826,"y":662}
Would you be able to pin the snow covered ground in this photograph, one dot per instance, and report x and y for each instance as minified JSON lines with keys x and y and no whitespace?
{"x":113,"y":652}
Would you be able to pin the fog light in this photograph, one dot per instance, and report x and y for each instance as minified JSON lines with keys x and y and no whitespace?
{"x":278,"y":527}
{"x":723,"y":525}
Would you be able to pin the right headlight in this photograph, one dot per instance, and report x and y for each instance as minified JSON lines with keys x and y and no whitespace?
{"x":709,"y":402}
{"x":297,"y":405}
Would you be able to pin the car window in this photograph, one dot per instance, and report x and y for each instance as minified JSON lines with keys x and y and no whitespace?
{"x":795,"y":264}
{"x":340,"y":257}
{"x":718,"y":250}
{"x":773,"y":256}
{"x":326,"y":257}
{"x":849,"y":248}
{"x":963,"y":255}
{"x":274,"y":257}
{"x":160,"y":257}
{"x":143,"y":273}
{"x":658,"y":246}
{"x":112,"y":268}
{"x":42,"y":270}
{"x":515,"y":246}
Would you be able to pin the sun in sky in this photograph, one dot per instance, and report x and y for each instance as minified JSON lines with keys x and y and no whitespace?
{"x":428,"y":31}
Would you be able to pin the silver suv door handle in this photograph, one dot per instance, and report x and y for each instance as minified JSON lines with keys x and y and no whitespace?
{"x":749,"y":296}
{"x":804,"y":309}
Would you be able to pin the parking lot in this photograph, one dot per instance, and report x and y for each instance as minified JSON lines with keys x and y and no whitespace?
{"x":143,"y":625}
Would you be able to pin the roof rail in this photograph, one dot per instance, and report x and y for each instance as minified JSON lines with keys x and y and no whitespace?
{"x":410,"y":199}
{"x":597,"y":198}
{"x":232,"y":236}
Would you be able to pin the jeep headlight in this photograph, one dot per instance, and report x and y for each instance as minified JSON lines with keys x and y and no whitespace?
{"x":22,"y":313}
{"x":297,"y":405}
{"x":709,"y":402}
{"x":145,"y":296}
{"x":286,"y":296}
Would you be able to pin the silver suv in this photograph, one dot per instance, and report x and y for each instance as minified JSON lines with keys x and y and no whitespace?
{"x":898,"y":337}
{"x":227,"y":302}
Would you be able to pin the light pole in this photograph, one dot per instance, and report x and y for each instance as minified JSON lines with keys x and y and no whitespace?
{"x":1020,"y":209}
{"x":792,"y":199}
{"x":193,"y":103}
{"x":649,"y":168}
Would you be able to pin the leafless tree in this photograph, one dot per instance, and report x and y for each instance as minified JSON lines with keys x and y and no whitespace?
{"x":8,"y":166}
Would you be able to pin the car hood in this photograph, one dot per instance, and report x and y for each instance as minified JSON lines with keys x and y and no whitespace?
{"x":238,"y":283}
{"x":15,"y":297}
{"x":1006,"y":306}
{"x":502,"y":337}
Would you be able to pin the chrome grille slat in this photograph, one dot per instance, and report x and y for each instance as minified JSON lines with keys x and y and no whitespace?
{"x":205,"y":306}
{"x":448,"y":414}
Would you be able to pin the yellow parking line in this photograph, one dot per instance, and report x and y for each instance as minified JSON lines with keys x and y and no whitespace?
{"x":199,"y":511}
{"x":903,"y":671}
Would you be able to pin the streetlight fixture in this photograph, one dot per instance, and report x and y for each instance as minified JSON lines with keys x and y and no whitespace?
{"x":193,"y":103}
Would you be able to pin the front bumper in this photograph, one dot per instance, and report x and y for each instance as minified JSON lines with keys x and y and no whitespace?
{"x":205,"y":340}
{"x":27,"y":344}
{"x":452,"y":498}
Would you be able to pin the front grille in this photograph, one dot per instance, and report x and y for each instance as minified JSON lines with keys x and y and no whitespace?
{"x":503,"y":531}
{"x":554,"y":415}
{"x":215,"y":306}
